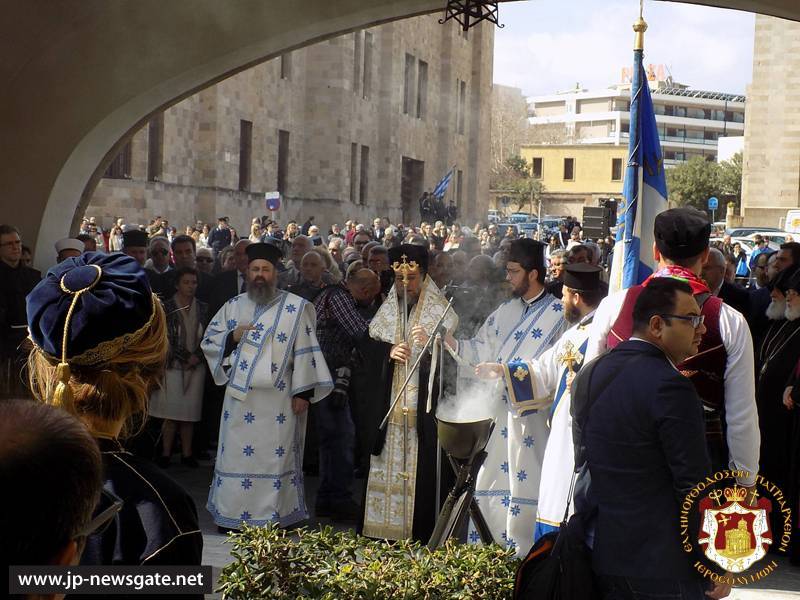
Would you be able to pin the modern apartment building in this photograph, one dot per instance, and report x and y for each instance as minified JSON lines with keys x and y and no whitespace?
{"x":689,"y":121}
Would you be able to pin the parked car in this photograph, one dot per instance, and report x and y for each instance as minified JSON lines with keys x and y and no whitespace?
{"x":745,"y":231}
{"x":778,"y":237}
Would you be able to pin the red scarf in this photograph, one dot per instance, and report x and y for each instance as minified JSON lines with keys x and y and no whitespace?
{"x":682,"y":274}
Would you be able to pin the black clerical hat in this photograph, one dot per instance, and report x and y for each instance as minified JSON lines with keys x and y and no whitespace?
{"x":264,"y":251}
{"x":112,"y":301}
{"x":582,"y":277}
{"x":409,"y":253}
{"x":134,"y":238}
{"x":681,"y":232}
{"x":782,"y":281}
{"x":528,"y":253}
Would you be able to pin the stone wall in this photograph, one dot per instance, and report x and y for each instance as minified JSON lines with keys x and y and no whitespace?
{"x":771,"y":160}
{"x":322,"y":102}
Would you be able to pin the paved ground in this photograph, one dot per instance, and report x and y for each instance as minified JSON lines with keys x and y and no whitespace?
{"x":783,"y":584}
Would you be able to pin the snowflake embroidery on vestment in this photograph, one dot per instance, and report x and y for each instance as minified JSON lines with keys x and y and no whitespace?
{"x":249,"y":417}
{"x":274,"y":367}
{"x":208,"y":341}
{"x":518,"y":335}
{"x":245,"y":516}
{"x":277,"y":484}
{"x":247,"y":483}
{"x":282,"y":337}
{"x":279,"y":451}
{"x":517,"y":359}
{"x":259,"y":327}
{"x":515,"y":510}
{"x":248,"y":450}
{"x":226,"y":415}
{"x":474,"y":536}
{"x":522,"y":475}
{"x":504,"y":467}
{"x":214,"y":323}
{"x":511,"y":543}
{"x":528,"y":441}
{"x":281,"y":418}
{"x":504,"y":432}
{"x":557,"y":306}
{"x":222,"y":450}
{"x":490,"y":322}
{"x":290,"y":308}
{"x":506,"y":501}
{"x":497,"y":332}
{"x":243,"y":365}
{"x":219,"y":481}
{"x":536,"y":333}
{"x":281,"y":385}
{"x":255,"y":335}
{"x":231,"y":323}
{"x":504,"y":535}
{"x":308,"y":330}
{"x":314,"y":363}
{"x":293,"y":480}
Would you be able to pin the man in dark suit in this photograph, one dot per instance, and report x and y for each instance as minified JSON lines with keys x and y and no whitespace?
{"x":183,"y":253}
{"x":643,"y":441}
{"x":730,"y":293}
{"x":228,"y":284}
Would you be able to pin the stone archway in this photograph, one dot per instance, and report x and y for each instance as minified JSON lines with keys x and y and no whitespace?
{"x":80,"y":76}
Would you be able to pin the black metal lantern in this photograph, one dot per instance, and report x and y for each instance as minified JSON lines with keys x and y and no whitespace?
{"x":470,"y":12}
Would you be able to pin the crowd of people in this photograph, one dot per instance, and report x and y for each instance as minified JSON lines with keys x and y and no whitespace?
{"x":278,"y":353}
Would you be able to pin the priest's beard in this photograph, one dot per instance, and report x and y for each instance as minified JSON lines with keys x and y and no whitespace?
{"x":792,"y":312}
{"x":260,"y":290}
{"x":776,"y":310}
{"x":522,"y":288}
{"x":572,"y":313}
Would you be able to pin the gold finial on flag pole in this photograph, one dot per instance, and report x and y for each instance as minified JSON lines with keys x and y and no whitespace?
{"x":639,"y":27}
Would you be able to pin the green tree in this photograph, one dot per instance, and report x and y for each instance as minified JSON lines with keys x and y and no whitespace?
{"x":730,"y":178}
{"x":692,"y":183}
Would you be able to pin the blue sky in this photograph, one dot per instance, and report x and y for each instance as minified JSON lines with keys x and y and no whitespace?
{"x":549,"y":45}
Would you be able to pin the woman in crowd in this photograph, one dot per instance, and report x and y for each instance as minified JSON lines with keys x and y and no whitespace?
{"x":179,"y":401}
{"x":99,"y":347}
{"x":202,"y":240}
{"x":255,"y":234}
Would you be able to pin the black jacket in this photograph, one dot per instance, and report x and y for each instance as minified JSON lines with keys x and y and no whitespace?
{"x":735,"y":297}
{"x":15,"y":284}
{"x":645,"y":448}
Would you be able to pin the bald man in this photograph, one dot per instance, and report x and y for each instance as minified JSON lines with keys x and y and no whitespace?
{"x":311,"y":269}
{"x":730,"y":293}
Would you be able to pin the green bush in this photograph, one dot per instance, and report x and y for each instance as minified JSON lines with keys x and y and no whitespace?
{"x":272,"y":563}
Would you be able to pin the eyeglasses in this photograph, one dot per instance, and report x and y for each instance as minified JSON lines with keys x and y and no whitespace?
{"x":109,"y":506}
{"x":696,"y":320}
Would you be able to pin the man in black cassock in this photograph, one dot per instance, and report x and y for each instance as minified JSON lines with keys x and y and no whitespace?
{"x":400,"y":497}
{"x":776,"y":359}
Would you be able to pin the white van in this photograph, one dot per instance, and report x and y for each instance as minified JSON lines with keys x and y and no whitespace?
{"x":792,"y":222}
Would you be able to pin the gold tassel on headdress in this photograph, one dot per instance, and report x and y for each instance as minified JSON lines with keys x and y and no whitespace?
{"x":62,"y":396}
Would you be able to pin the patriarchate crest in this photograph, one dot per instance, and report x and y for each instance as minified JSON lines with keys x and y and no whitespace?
{"x":737,"y":534}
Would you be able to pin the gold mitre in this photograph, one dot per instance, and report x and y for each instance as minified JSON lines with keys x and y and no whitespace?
{"x":735,"y":494}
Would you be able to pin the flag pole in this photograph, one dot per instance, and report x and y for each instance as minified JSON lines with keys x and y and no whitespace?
{"x":625,"y":266}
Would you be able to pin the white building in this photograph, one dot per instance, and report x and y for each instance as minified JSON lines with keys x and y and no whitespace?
{"x":689,"y":121}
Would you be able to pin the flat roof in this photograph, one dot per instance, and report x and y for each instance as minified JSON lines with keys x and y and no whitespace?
{"x":699,"y":94}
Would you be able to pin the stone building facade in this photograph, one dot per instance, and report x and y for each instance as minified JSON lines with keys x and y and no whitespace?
{"x":771,"y":160}
{"x":353,"y":127}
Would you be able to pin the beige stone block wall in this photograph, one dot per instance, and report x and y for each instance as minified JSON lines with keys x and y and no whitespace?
{"x":771,"y":169}
{"x":323,"y":107}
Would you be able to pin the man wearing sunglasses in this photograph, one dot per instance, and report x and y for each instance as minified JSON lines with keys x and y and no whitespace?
{"x":722,"y":371}
{"x":52,"y":463}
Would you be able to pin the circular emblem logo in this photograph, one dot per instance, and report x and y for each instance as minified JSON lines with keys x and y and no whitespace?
{"x":730,"y":528}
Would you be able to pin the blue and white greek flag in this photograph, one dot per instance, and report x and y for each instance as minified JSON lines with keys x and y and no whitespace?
{"x":441,"y":188}
{"x":645,"y":190}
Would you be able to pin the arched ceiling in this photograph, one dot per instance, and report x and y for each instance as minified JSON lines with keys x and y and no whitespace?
{"x":78,"y":75}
